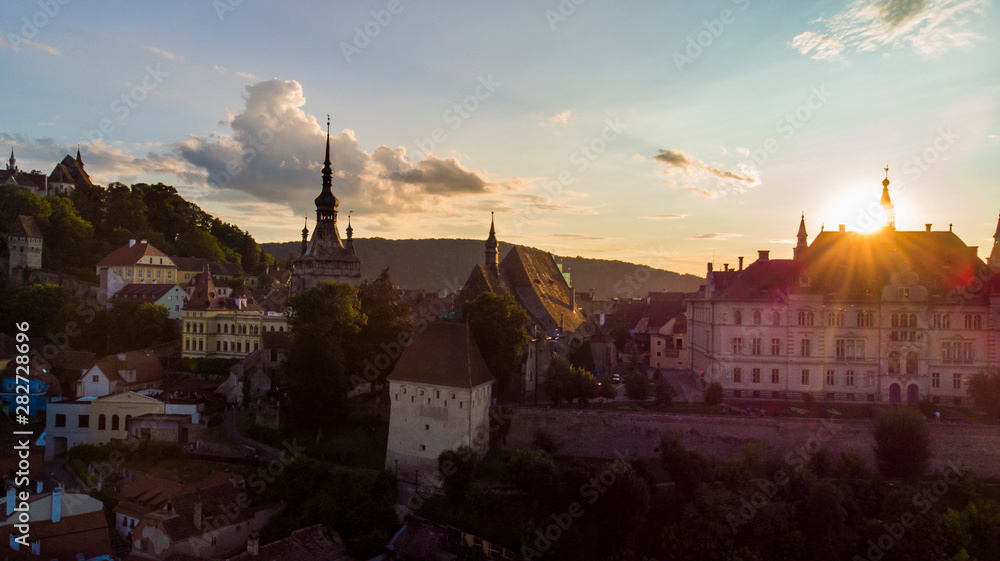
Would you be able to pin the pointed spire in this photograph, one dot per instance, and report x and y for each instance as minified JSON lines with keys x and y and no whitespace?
{"x":994,"y":259}
{"x":886,"y":202}
{"x":79,"y":160}
{"x":996,"y":236}
{"x":350,"y":230}
{"x":326,"y":202}
{"x":803,"y":239}
{"x":492,"y":248}
{"x":12,"y":164}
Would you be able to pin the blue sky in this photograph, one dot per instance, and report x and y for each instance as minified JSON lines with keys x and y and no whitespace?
{"x":663,"y":133}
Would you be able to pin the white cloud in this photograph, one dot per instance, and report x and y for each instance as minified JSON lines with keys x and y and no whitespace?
{"x":163,"y":53}
{"x":697,"y":173}
{"x":929,"y":27}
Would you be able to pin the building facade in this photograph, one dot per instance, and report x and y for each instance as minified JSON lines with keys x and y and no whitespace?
{"x":886,"y":317}
{"x":24,"y":242}
{"x":136,"y":263}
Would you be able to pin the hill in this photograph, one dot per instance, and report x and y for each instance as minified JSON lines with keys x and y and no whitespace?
{"x":436,"y":264}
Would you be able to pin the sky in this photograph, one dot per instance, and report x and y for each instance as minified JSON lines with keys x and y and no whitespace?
{"x":664,"y":133}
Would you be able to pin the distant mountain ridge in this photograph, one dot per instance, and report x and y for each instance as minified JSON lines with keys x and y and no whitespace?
{"x":444,"y":264}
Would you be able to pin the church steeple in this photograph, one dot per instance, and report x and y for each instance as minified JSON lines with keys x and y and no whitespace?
{"x":79,"y":160}
{"x":803,"y":239}
{"x":887,"y":208}
{"x":350,"y":230}
{"x":12,"y":164}
{"x":305,"y":236}
{"x":492,"y":248}
{"x":326,"y":202}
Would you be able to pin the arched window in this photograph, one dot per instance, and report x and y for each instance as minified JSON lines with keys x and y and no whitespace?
{"x":895,"y":319}
{"x":802,"y":318}
{"x":201,"y":328}
{"x":114,"y":422}
{"x":218,"y":328}
{"x":756,"y":318}
{"x":913,"y":320}
{"x":911,"y":363}
{"x":775,"y":318}
{"x":894,"y":362}
{"x":225,"y":345}
{"x":226,"y":329}
{"x":102,"y":422}
{"x":127,"y":417}
{"x":737,"y":318}
{"x":281,"y":328}
{"x":810,"y":318}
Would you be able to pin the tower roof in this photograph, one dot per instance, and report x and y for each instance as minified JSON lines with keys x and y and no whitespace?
{"x":326,"y":201}
{"x":802,"y":235}
{"x":24,"y":227}
{"x":996,"y":236}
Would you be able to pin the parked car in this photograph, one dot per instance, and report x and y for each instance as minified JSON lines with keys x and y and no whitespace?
{"x":616,"y":379}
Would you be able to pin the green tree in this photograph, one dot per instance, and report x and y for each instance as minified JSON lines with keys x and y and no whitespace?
{"x":498,"y":324}
{"x":387,"y":329}
{"x":51,"y":311}
{"x":125,"y":210}
{"x":558,"y":382}
{"x":127,"y":326}
{"x":580,"y":354}
{"x":984,"y":387}
{"x":531,"y":471}
{"x":195,"y":242}
{"x":457,"y":466}
{"x":322,"y":321}
{"x":607,"y":390}
{"x":583,"y":386}
{"x":713,"y":394}
{"x":902,"y":443}
{"x":637,"y":386}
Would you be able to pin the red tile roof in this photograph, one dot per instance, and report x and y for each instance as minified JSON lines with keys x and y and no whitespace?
{"x":127,"y":255}
{"x":444,"y":354}
{"x":24,"y":227}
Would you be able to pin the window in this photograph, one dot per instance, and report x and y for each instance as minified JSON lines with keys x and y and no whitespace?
{"x":737,"y":318}
{"x":738,"y":375}
{"x":775,"y":319}
{"x":427,"y":427}
{"x":830,"y":378}
{"x":912,"y":361}
{"x":756,"y":318}
{"x":60,"y":420}
{"x":775,"y":376}
{"x":849,"y":378}
{"x":805,"y":377}
{"x":850,"y":349}
{"x":973,"y":321}
{"x":102,"y":422}
{"x":737,"y":345}
{"x":956,"y":381}
{"x":936,"y":380}
{"x":894,"y":362}
{"x":942,"y":321}
{"x":806,"y":318}
{"x":93,"y":378}
{"x":958,"y":351}
{"x":755,"y":346}
{"x":775,"y":347}
{"x":866,"y":319}
{"x":422,"y":447}
{"x":835,"y":319}
{"x":114,"y":422}
{"x":755,"y":375}
{"x":805,"y":348}
{"x":902,"y":292}
{"x":83,"y":421}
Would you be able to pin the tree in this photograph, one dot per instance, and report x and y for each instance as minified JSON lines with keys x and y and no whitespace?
{"x":387,"y":329}
{"x":558,"y":383}
{"x":457,"y":467}
{"x":195,"y":242}
{"x":713,"y":394}
{"x":607,"y":391}
{"x":580,"y":354}
{"x":902,"y":443}
{"x":583,"y":386}
{"x":126,"y":326}
{"x":498,"y":324}
{"x":531,"y":471}
{"x":984,"y":388}
{"x":637,"y":386}
{"x":321,"y":322}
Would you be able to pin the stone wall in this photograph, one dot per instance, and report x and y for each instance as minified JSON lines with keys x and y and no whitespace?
{"x":603,"y":434}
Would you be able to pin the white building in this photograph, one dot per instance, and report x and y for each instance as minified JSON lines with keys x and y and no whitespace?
{"x":441,"y":393}
{"x":887,"y":317}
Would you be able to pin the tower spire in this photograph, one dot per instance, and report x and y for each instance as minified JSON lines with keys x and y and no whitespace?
{"x":886,"y":202}
{"x":79,"y":160}
{"x":350,"y":230}
{"x":994,"y":259}
{"x":305,"y":235}
{"x":803,"y":239}
{"x":12,"y":164}
{"x":326,"y":202}
{"x":492,"y":248}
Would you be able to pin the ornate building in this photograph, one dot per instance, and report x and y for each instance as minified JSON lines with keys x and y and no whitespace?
{"x":326,"y":257}
{"x":887,"y":317}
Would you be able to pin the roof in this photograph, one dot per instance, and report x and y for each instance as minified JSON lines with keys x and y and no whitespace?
{"x":444,"y":354}
{"x":70,"y":170}
{"x":205,"y":296}
{"x":130,"y":254}
{"x":312,"y":543}
{"x":86,"y":532}
{"x":144,"y":292}
{"x":418,"y":539}
{"x":150,"y":492}
{"x":178,"y":520}
{"x":24,"y":227}
{"x":69,"y":359}
{"x":146,"y":365}
{"x":24,"y":179}
{"x":190,"y":263}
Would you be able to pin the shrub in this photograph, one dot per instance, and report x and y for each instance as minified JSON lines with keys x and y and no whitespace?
{"x":713,"y":394}
{"x":902,"y":442}
{"x":637,"y":386}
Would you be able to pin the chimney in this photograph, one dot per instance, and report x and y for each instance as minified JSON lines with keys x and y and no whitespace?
{"x":710,"y":267}
{"x":57,"y":504}
{"x":725,"y":266}
{"x":11,"y":499}
{"x":841,"y":228}
{"x":197,"y":515}
{"x":253,"y":544}
{"x":763,"y":254}
{"x":131,"y":243}
{"x":741,"y":263}
{"x":928,"y":227}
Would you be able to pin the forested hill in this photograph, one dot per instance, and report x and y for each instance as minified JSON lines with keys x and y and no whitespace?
{"x":435,"y":264}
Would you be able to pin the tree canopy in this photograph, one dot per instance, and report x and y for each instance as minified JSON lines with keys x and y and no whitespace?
{"x":498,"y":323}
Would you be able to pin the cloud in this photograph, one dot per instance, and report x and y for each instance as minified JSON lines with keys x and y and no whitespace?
{"x":715,"y":236}
{"x":163,"y":53}
{"x":929,"y":27}
{"x":580,"y":237}
{"x":28,"y":43}
{"x":664,"y":217}
{"x":275,"y":153}
{"x":247,"y":75}
{"x":562,"y":118}
{"x":696,"y":172}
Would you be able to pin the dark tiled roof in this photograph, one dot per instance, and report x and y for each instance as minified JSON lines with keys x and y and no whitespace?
{"x":190,"y":263}
{"x":147,"y":367}
{"x":70,"y":170}
{"x":24,"y":227}
{"x":127,"y":256}
{"x":81,"y":533}
{"x":444,"y":354}
{"x":312,"y":543}
{"x":24,"y":179}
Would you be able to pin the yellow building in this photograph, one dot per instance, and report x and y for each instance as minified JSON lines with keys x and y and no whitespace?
{"x":217,"y":326}
{"x":137,"y":263}
{"x":109,"y":415}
